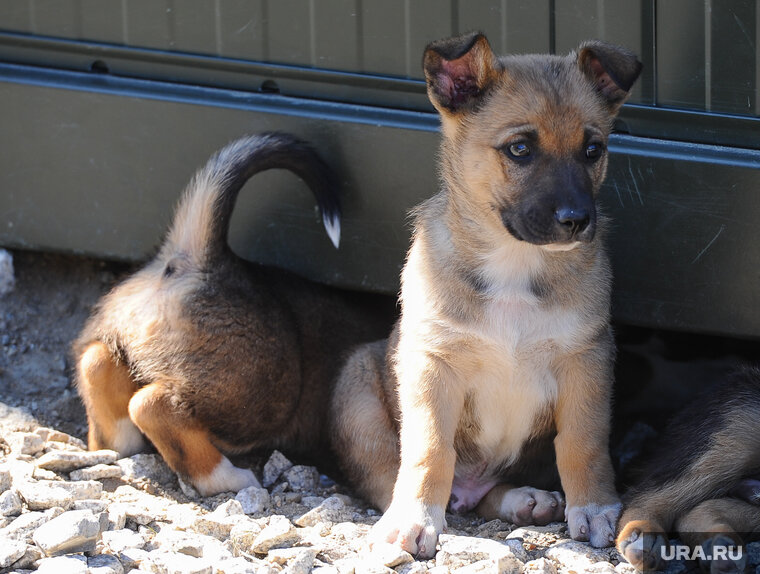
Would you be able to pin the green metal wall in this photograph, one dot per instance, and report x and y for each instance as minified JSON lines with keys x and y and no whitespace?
{"x":107,"y":106}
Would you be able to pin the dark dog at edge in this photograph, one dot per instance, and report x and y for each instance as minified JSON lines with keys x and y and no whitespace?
{"x":703,"y":480}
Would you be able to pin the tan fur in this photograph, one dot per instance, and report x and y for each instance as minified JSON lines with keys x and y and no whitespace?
{"x":204,"y":353}
{"x":501,"y":342}
{"x":109,"y":390}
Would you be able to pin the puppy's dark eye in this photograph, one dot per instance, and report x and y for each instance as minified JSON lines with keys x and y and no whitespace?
{"x":594,"y":150}
{"x":518,"y":150}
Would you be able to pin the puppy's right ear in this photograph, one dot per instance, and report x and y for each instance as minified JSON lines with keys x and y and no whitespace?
{"x":458,"y":71}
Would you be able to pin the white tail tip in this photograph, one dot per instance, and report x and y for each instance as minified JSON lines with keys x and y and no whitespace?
{"x":332,"y":226}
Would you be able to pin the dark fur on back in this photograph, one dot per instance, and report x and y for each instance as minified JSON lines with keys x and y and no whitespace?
{"x":201,"y":351}
{"x":692,"y":431}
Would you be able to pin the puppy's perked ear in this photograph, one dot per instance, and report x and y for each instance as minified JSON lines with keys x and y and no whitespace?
{"x":612,"y":69}
{"x":458,"y":71}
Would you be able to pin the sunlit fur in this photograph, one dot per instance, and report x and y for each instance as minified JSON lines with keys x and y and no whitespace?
{"x":502,"y":343}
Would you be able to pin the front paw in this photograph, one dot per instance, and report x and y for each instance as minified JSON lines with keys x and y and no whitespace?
{"x":642,"y":543}
{"x":412,"y":526}
{"x":594,"y":523}
{"x":526,"y":506}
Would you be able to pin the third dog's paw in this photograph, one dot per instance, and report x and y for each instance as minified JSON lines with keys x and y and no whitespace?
{"x":642,"y":544}
{"x":412,"y":526}
{"x":530,"y":506}
{"x":224,"y":478}
{"x":593,"y":523}
{"x":724,"y":554}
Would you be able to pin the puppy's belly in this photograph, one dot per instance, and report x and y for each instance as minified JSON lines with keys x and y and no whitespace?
{"x":511,"y":403}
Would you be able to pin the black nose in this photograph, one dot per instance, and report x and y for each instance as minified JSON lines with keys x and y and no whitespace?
{"x":574,"y":220}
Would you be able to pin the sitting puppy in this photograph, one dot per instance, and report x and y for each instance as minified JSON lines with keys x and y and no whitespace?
{"x":202,"y":352}
{"x":702,"y":482}
{"x":503,"y":346}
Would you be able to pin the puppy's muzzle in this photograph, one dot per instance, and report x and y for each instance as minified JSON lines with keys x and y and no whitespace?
{"x":573,"y":222}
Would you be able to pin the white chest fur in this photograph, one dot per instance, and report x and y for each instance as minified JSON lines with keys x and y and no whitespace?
{"x":511,"y":342}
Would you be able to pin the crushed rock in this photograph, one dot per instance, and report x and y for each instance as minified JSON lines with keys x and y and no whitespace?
{"x":102,"y":515}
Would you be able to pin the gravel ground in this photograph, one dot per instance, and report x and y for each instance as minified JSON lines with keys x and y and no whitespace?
{"x":63,"y":509}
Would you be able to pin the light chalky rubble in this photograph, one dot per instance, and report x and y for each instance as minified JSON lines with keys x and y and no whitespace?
{"x":65,"y":510}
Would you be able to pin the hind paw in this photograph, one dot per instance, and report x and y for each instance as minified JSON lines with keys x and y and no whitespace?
{"x":225,"y":478}
{"x":530,"y":506}
{"x":642,"y":543}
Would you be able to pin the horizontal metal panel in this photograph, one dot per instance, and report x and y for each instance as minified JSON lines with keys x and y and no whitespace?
{"x":696,"y":55}
{"x":94,"y":165}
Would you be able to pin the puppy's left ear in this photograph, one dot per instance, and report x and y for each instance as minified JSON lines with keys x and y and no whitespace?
{"x":458,"y":71}
{"x":612,"y":69}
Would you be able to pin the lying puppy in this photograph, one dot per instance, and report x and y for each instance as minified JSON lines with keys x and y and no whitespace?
{"x":503,"y":346}
{"x":202,"y":352}
{"x":703,"y":481}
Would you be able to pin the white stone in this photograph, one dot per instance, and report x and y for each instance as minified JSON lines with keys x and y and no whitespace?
{"x":73,"y":531}
{"x":302,"y":478}
{"x":72,"y":564}
{"x":140,"y":467}
{"x":297,"y":560}
{"x":218,"y":525}
{"x":97,"y":472}
{"x":5,"y":479}
{"x":243,"y":534}
{"x":25,"y":442}
{"x":23,"y":526}
{"x":176,"y":563}
{"x":479,"y":567}
{"x":10,"y":503}
{"x":41,"y":495}
{"x":458,"y":551}
{"x":332,"y":510}
{"x":412,"y":568}
{"x":389,"y":555}
{"x":575,"y":555}
{"x":188,"y":543}
{"x":52,"y":435}
{"x":274,"y":467}
{"x":82,"y":489}
{"x":95,"y":504}
{"x":30,"y":558}
{"x":66,"y":461}
{"x":119,"y":540}
{"x":600,"y":568}
{"x":625,"y":568}
{"x":42,"y":474}
{"x":235,"y":566}
{"x":10,"y":551}
{"x":540,"y":566}
{"x":253,"y":499}
{"x":133,"y":558}
{"x":7,"y":279}
{"x":104,"y":564}
{"x":279,"y":533}
{"x":231,"y":507}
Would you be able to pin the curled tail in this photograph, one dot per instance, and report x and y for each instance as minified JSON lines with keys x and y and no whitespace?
{"x":201,"y":222}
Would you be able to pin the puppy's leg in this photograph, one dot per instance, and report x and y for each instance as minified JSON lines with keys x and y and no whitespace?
{"x":184,"y":443}
{"x":582,"y":418}
{"x":106,"y":388}
{"x":431,"y":401}
{"x":363,"y":433}
{"x":713,"y":525}
{"x":522,"y":505}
